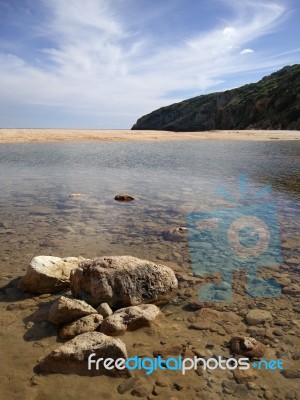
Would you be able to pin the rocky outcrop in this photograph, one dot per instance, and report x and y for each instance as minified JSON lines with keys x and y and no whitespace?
{"x":122,"y":281}
{"x":72,"y":357}
{"x":65,"y":310}
{"x":272,"y":103}
{"x":85,"y":324}
{"x":47,"y":274}
{"x":129,"y":319}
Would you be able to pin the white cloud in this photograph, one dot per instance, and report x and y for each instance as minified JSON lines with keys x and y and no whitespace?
{"x":97,"y":65}
{"x":246,"y":51}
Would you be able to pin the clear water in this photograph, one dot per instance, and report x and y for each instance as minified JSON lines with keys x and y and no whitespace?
{"x":168,"y":180}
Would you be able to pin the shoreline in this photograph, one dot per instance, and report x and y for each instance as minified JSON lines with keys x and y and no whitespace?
{"x":10,"y":136}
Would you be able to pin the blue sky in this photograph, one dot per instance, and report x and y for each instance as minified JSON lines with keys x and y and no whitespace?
{"x":105,"y":63}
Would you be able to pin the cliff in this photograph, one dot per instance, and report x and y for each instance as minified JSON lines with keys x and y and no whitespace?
{"x":271,"y":103}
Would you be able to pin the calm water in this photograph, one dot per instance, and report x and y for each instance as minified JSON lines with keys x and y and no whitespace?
{"x":168,"y":180}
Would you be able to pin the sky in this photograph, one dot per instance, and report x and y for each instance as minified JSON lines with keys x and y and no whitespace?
{"x":102,"y":64}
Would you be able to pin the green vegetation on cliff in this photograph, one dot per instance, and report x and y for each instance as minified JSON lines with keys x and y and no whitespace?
{"x":271,"y":103}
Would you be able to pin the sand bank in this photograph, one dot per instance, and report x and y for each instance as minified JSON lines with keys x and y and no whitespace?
{"x":94,"y":135}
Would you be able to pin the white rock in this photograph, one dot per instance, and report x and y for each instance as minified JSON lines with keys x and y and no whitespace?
{"x":47,"y":274}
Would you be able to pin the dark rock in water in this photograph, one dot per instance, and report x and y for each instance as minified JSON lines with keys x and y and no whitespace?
{"x":272,"y":103}
{"x":176,"y":235}
{"x":72,"y":357}
{"x":124,"y":197}
{"x":122,"y":281}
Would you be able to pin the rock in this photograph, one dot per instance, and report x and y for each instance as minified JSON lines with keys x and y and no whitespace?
{"x":104,"y":310}
{"x":244,"y":376}
{"x":176,"y":235}
{"x":72,"y":357}
{"x":124,"y":197}
{"x":75,"y":195}
{"x":129,"y":319}
{"x":122,"y":281}
{"x":291,"y":373}
{"x":88,"y":323}
{"x":47,"y":274}
{"x":258,"y":317}
{"x":128,"y":384}
{"x":65,"y":310}
{"x":292,"y":289}
{"x":247,"y":346}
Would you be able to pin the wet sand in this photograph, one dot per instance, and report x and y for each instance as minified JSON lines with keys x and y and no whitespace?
{"x":90,"y":135}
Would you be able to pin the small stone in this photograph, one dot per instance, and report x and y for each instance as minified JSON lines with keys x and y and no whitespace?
{"x":141,"y":391}
{"x":89,"y":323}
{"x":34,"y":381}
{"x":244,"y":376}
{"x":163,"y":382}
{"x":293,"y":290}
{"x":65,"y":310}
{"x":291,"y":373}
{"x":74,"y":195}
{"x":247,"y":346}
{"x":258,"y":317}
{"x":128,"y":384}
{"x":130,"y":319}
{"x":268,"y":395}
{"x":104,"y":310}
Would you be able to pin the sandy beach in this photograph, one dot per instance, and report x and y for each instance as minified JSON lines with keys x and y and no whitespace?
{"x":91,"y":135}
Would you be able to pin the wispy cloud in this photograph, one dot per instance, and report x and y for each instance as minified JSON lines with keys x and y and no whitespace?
{"x":94,"y":64}
{"x":246,"y":51}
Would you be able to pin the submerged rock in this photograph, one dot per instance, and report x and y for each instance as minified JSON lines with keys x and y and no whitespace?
{"x":72,"y":357}
{"x":122,"y":281}
{"x":129,"y":319}
{"x":124,"y":197}
{"x":88,"y":323}
{"x":47,"y":274}
{"x":176,"y":234}
{"x":65,"y":310}
{"x":247,"y":346}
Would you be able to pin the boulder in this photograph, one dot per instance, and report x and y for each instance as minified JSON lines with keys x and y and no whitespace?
{"x":247,"y":346}
{"x":122,"y":281}
{"x":258,"y":317}
{"x":88,"y":323}
{"x":72,"y":357}
{"x":129,"y":319}
{"x":104,"y":310}
{"x":65,"y":310}
{"x":292,"y":289}
{"x":47,"y":274}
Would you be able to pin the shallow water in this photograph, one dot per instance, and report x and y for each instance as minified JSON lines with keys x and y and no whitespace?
{"x":169,"y":180}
